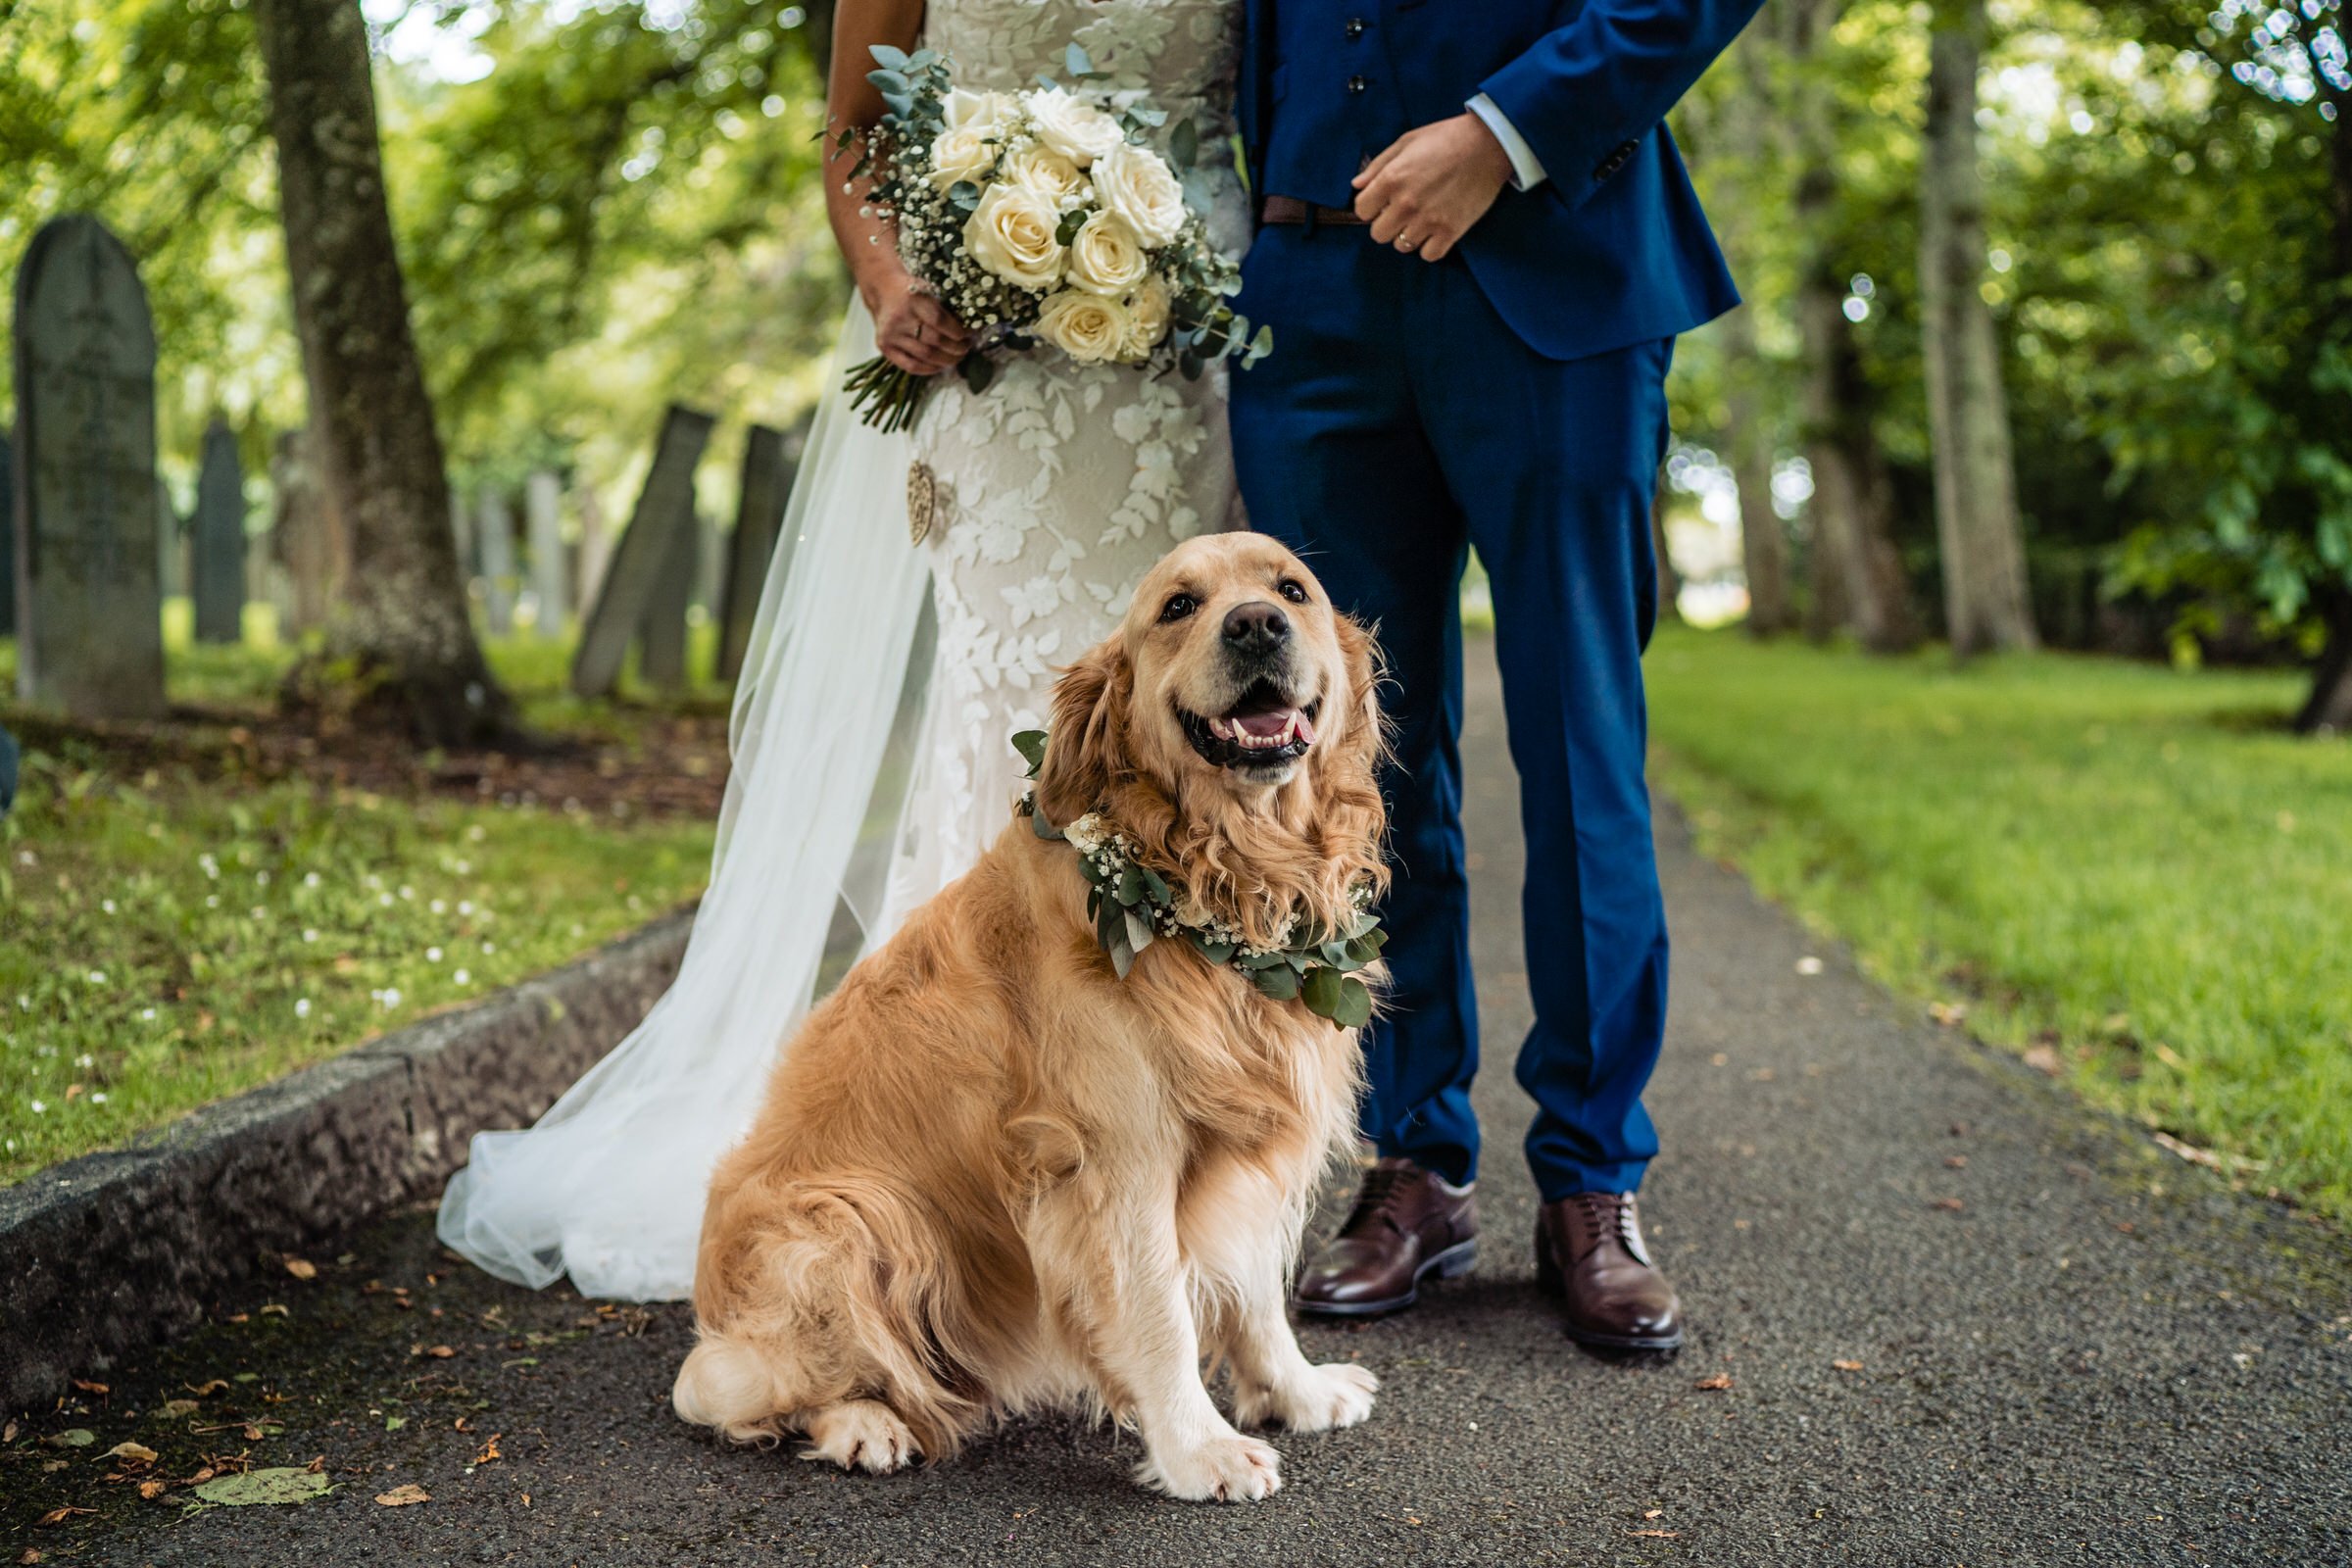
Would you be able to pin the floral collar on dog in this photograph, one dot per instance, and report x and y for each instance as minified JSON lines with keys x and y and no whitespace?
{"x":1133,"y":906}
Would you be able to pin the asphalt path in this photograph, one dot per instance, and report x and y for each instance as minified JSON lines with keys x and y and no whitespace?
{"x":1940,"y":1315}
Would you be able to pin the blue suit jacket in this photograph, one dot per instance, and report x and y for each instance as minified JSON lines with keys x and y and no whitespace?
{"x":1612,"y":249}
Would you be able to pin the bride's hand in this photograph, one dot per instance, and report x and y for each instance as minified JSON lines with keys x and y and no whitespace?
{"x":914,"y":330}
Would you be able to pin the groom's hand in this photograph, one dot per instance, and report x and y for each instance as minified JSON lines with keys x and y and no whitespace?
{"x":1425,"y":191}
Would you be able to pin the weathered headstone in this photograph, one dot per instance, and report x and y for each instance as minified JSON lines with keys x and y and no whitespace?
{"x":89,"y":618}
{"x":171,"y":545}
{"x":759,"y":514}
{"x":494,"y":524}
{"x":596,"y":548}
{"x":304,"y":532}
{"x":8,"y":540}
{"x":220,"y":539}
{"x":661,"y":524}
{"x":662,"y":645}
{"x":542,"y":505}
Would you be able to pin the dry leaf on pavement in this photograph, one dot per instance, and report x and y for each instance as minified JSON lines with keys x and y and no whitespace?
{"x":57,"y":1516}
{"x":130,"y":1452}
{"x":1847,"y":1366}
{"x":302,"y":1269}
{"x":402,"y":1497}
{"x":1720,"y":1380}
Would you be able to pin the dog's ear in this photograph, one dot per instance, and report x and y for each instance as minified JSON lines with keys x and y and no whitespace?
{"x":1087,"y":747}
{"x":1365,"y":739}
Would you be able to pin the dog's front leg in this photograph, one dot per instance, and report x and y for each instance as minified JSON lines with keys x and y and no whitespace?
{"x":1108,"y":1258}
{"x":1272,"y":1378}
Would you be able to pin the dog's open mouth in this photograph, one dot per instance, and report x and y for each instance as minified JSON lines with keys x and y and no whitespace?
{"x":1264,"y":729}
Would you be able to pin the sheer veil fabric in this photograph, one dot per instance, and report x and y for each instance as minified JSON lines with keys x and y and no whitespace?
{"x":607,"y":1187}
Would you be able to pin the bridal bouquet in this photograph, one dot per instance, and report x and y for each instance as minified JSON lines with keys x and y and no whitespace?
{"x":1043,"y":217}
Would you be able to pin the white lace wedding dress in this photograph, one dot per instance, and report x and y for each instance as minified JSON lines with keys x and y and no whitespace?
{"x":1058,"y":487}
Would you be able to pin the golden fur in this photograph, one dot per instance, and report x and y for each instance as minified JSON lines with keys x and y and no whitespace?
{"x":989,"y":1174}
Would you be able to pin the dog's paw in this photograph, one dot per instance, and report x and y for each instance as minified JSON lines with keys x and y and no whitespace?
{"x":1337,"y":1393}
{"x":1225,"y":1469}
{"x":861,"y":1435}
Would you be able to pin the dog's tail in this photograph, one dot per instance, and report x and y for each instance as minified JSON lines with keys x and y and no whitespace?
{"x":835,"y":1296}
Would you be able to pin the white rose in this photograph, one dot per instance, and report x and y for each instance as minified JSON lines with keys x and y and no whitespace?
{"x":1010,"y":233}
{"x":1106,"y":256}
{"x":1138,"y":185}
{"x":1074,"y":128}
{"x":986,"y":112}
{"x":1088,"y":327}
{"x":1035,"y":167}
{"x":1148,"y":311}
{"x":960,"y":152}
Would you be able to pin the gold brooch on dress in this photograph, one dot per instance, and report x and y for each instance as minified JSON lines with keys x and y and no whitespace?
{"x":922,"y":501}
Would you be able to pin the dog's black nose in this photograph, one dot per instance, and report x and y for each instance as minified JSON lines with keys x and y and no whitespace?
{"x":1256,"y":628}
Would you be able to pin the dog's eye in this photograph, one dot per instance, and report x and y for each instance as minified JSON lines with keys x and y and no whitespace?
{"x":1178,"y":607}
{"x":1292,"y":589}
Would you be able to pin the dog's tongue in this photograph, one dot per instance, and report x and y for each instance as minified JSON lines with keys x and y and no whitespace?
{"x":1274,"y":723}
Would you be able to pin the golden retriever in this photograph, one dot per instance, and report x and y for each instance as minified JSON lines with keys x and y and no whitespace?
{"x":988,"y":1173}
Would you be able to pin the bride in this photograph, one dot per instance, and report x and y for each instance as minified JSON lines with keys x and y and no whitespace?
{"x":871,"y":742}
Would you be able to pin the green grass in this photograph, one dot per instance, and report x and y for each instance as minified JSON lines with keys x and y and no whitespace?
{"x":168,"y":939}
{"x":2135,"y":870}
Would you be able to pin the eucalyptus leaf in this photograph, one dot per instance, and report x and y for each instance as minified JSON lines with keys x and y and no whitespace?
{"x":1031,"y":744}
{"x":1355,"y":1005}
{"x":1080,"y":63}
{"x":1281,"y":983}
{"x":1129,"y":889}
{"x":1321,"y":989}
{"x":892,"y":58}
{"x":1184,"y":144}
{"x":1139,"y":930}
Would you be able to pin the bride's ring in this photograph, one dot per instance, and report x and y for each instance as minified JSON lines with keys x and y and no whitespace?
{"x":1407,"y":245}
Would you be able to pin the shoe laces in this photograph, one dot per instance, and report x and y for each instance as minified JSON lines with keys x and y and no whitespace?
{"x":1609,"y":1214}
{"x":1377,"y":1198}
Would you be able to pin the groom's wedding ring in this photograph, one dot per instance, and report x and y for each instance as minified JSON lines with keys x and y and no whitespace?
{"x":1407,"y":245}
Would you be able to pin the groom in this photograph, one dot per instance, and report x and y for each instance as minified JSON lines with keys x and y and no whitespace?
{"x":1475,"y":245}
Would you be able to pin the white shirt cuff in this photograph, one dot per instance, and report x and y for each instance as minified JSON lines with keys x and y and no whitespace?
{"x":1526,"y":169}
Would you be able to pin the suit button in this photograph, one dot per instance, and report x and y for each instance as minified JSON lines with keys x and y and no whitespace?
{"x":1356,"y":85}
{"x":1354,"y":28}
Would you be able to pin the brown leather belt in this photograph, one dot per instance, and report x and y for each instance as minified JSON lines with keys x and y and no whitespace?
{"x":1290,"y":209}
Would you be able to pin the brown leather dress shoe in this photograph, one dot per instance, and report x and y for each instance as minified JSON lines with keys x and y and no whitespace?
{"x":1407,"y":1225}
{"x":1588,"y":1251}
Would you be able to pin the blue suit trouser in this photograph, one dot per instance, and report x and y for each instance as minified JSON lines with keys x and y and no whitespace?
{"x":1398,"y":423}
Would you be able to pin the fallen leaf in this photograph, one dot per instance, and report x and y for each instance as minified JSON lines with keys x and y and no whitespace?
{"x":1719,"y":1382}
{"x":1655,"y":1534}
{"x":134,"y":1453}
{"x":8,"y":1434}
{"x":32,"y":1555}
{"x":402,"y":1497}
{"x":489,"y":1454}
{"x":278,"y":1484}
{"x":1651,"y":1514}
{"x":393,"y":1422}
{"x":440,"y":1352}
{"x":1950,"y":1014}
{"x":274,"y":1309}
{"x":241,"y":1317}
{"x":177,"y":1408}
{"x":151,"y":1490}
{"x":2041,"y":1059}
{"x":216,"y":1386}
{"x":71,"y":1437}
{"x":57,"y":1516}
{"x":1847,"y":1366}
{"x":91,"y":1388}
{"x":1956,"y":1161}
{"x":302,"y":1269}
{"x":1950,"y":1204}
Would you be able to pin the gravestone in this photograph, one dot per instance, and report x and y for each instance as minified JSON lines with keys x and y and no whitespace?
{"x":759,"y":515}
{"x":662,"y":645}
{"x":660,"y":527}
{"x":596,"y":549}
{"x":8,"y":540}
{"x":303,"y":530}
{"x":542,"y":506}
{"x":171,"y":545}
{"x":220,"y":542}
{"x":494,"y":527}
{"x":89,"y":618}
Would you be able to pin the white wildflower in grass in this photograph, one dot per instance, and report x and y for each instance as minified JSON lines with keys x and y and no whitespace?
{"x":108,"y":905}
{"x":309,"y":935}
{"x":85,"y":1060}
{"x":438,"y":908}
{"x":302,"y":1007}
{"x":384,"y":899}
{"x":147,"y":1014}
{"x":464,"y":905}
{"x":97,"y":977}
{"x":464,"y":977}
{"x":1054,"y":219}
{"x":211,"y":901}
{"x":432,"y":955}
{"x":310,"y":879}
{"x":40,"y":1107}
{"x":98,"y":1099}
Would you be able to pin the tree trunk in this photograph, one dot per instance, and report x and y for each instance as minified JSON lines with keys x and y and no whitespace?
{"x":402,"y":625}
{"x":2328,"y":711}
{"x":1986,"y":607}
{"x":1670,"y":581}
{"x":1859,"y":574}
{"x":1763,"y":546}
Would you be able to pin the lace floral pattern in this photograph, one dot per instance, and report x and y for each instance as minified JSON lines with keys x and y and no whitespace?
{"x":1061,"y":484}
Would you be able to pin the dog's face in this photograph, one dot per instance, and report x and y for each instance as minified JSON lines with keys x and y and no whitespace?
{"x":1236,"y":663}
